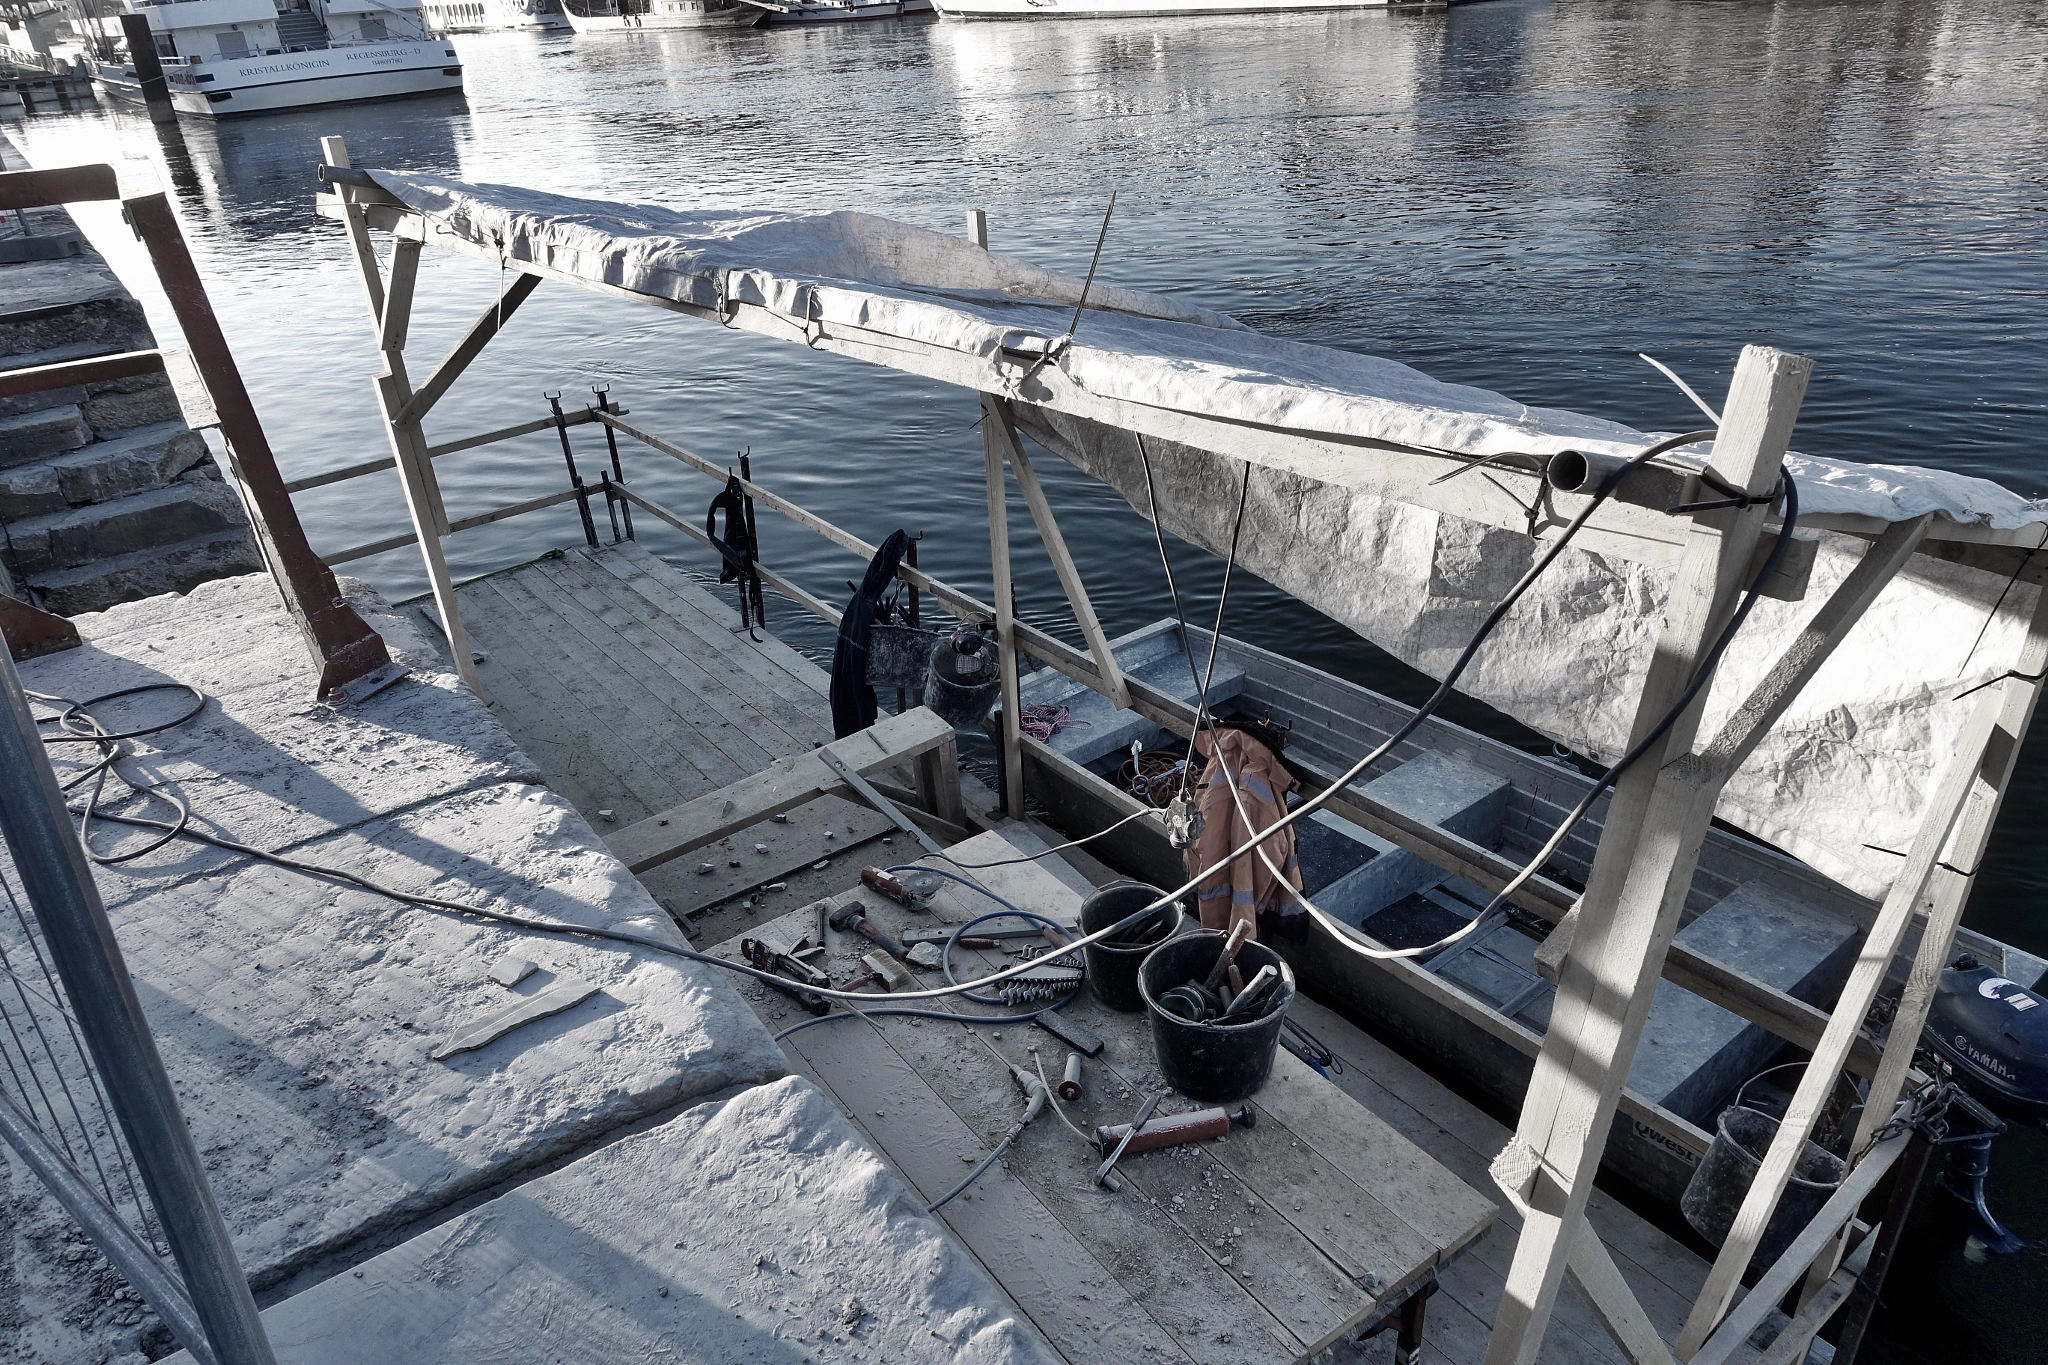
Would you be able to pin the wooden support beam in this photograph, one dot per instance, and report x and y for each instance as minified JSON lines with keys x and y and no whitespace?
{"x":1775,"y":1283}
{"x":1793,"y":1341}
{"x":466,"y":350}
{"x":1005,"y":616}
{"x":783,"y":785}
{"x":1598,"y":1281}
{"x":1865,"y":978}
{"x":1642,"y":871}
{"x":1766,"y":704}
{"x":996,"y":412}
{"x":1949,"y":893}
{"x":396,"y":319}
{"x":408,"y":446}
{"x":435,"y":452}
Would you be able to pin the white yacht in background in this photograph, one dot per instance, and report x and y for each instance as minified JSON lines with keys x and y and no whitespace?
{"x":223,"y":57}
{"x":779,"y":12}
{"x":494,"y":16}
{"x":621,"y":16}
{"x":1134,"y":9}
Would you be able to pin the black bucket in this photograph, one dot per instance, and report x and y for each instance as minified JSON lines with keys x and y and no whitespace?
{"x":1213,"y":1063}
{"x":1714,"y":1195}
{"x":1112,"y":970}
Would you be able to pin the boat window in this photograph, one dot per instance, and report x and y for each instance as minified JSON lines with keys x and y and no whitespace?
{"x":373,"y":30}
{"x":233,"y":43}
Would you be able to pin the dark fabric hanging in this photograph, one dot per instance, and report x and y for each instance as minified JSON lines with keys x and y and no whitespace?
{"x":853,"y":701}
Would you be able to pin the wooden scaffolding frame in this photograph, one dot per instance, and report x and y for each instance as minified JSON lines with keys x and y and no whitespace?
{"x":1614,"y":941}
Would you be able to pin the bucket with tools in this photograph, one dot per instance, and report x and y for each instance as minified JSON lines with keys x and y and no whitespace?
{"x":1216,"y":1042}
{"x":1113,"y":963}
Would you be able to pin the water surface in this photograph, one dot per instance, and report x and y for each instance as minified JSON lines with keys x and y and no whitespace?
{"x":1519,"y":195}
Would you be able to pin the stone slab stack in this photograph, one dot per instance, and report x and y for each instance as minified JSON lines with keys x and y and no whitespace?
{"x":105,"y":494}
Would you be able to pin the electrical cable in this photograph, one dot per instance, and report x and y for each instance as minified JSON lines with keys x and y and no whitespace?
{"x":960,"y":931}
{"x":975,"y":1174}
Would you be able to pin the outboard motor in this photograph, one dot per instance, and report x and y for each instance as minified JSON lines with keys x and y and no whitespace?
{"x":1993,"y":1034}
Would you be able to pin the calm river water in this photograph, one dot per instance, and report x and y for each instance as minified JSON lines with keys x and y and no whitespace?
{"x":1519,"y":194}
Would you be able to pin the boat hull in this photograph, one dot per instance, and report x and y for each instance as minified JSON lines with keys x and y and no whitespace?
{"x":299,"y":80}
{"x":1480,"y":1021}
{"x":734,"y":16}
{"x":1143,"y":9}
{"x":782,"y":16}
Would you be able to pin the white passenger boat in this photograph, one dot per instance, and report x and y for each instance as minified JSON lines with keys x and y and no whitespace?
{"x":494,"y":16}
{"x":617,"y":16}
{"x":224,"y":57}
{"x":779,"y":12}
{"x":1140,"y":9}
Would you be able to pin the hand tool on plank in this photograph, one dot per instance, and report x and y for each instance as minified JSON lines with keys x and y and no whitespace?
{"x":1070,"y":1033}
{"x":852,"y":778}
{"x":1070,"y":1082}
{"x":891,"y":974}
{"x":1239,"y":932}
{"x":1175,"y":1129}
{"x":852,"y":917}
{"x":981,"y":937}
{"x":1144,"y":1112}
{"x":1247,"y":1002}
{"x":789,"y":968}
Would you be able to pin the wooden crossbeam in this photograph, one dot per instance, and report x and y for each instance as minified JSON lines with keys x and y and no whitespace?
{"x":997,"y":411}
{"x":1865,"y":978}
{"x":1642,"y":870}
{"x":468,"y":349}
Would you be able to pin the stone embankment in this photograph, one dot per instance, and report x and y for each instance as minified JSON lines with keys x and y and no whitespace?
{"x":106,"y":495}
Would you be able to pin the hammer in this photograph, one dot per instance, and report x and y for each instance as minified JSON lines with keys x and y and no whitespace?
{"x":891,"y":974}
{"x":852,"y":917}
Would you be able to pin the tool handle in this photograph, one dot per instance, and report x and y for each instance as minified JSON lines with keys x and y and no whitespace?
{"x":885,"y":884}
{"x":1070,"y":1083}
{"x":1239,"y":932}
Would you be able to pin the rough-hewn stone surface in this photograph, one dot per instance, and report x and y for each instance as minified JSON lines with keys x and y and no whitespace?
{"x":296,"y":1014}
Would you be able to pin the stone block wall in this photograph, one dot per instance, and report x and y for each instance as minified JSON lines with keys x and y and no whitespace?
{"x":105,"y":494}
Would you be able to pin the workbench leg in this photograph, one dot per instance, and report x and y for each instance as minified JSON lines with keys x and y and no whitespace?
{"x":1408,"y":1337}
{"x":938,"y":783}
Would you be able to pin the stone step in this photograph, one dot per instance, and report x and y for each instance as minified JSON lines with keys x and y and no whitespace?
{"x":178,"y":567}
{"x":30,"y":436}
{"x":44,"y":304}
{"x":132,"y":462}
{"x":198,"y":503}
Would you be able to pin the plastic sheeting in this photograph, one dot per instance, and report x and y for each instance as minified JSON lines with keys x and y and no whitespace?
{"x":1840,"y":779}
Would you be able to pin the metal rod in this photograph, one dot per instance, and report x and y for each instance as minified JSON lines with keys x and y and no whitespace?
{"x":87,"y":958}
{"x":575,"y":479}
{"x":611,"y":441}
{"x":611,"y":501}
{"x":149,"y":1276}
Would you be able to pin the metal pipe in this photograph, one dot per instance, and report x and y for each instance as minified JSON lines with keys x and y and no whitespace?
{"x":137,"y":1263}
{"x":46,"y":852}
{"x":611,"y":441}
{"x":575,"y":478}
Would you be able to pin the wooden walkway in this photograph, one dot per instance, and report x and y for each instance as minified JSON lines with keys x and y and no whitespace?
{"x":921,"y":1091}
{"x":629,"y":685}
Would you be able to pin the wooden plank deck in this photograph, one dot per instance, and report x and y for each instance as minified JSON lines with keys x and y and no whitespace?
{"x":1274,"y":1244}
{"x":629,"y":684}
{"x":926,"y":1094}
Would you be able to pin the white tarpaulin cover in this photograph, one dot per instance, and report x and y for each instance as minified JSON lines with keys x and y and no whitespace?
{"x":1847,"y":769}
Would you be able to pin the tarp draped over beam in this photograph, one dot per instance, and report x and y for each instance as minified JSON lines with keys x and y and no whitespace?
{"x":1342,"y":514}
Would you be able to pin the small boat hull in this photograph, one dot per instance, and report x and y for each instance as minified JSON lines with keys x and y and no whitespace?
{"x":1147,"y":9}
{"x":1476,"y":1011}
{"x":782,"y":13}
{"x":597,"y":16}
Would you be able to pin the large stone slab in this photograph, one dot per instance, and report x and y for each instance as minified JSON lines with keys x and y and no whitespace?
{"x":296,"y":1013}
{"x":736,"y":1232}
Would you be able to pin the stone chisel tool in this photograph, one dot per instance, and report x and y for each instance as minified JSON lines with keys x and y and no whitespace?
{"x":1245,"y":1006}
{"x":1239,"y":932}
{"x":1144,"y":1112}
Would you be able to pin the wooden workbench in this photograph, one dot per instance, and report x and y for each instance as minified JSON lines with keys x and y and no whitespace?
{"x":1268,"y":1245}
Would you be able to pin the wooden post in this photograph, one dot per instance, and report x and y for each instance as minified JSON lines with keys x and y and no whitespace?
{"x":998,"y":411}
{"x":149,"y":68}
{"x":1641,"y":872}
{"x":1006,"y":621}
{"x":390,"y":312}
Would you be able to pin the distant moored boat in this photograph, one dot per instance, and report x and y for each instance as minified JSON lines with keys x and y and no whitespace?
{"x":615,"y":16}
